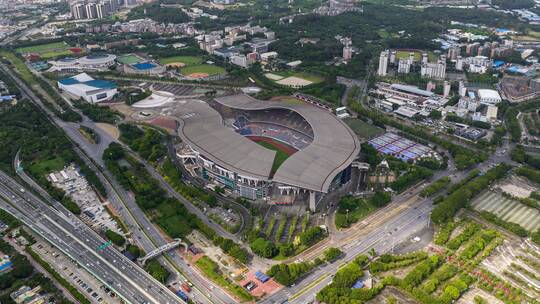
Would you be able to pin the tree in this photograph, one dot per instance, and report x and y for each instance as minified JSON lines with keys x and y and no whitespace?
{"x":116,"y":238}
{"x":332,"y":254}
{"x":263,"y":247}
{"x":435,"y":114}
{"x":311,"y":235}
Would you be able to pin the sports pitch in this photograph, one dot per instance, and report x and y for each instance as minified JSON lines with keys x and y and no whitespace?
{"x":129,"y":59}
{"x":362,"y":129}
{"x":508,"y":210}
{"x":48,"y":50}
{"x":202,"y":69}
{"x":187,"y":60}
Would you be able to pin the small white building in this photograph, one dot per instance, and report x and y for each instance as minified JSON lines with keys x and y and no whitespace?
{"x":90,"y":89}
{"x":489,"y":97}
{"x":265,"y":57}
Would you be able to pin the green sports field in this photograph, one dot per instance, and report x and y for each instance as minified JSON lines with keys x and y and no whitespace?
{"x":187,"y":60}
{"x":280,"y":155}
{"x":307,"y":76}
{"x":403,"y":54}
{"x":203,"y":68}
{"x":48,"y":50}
{"x":129,"y":59}
{"x":362,"y":129}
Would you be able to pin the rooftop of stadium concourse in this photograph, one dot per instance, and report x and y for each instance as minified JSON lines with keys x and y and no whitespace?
{"x":334,"y":145}
{"x":203,"y":129}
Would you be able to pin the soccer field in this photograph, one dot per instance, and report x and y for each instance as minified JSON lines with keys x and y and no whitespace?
{"x":508,"y":210}
{"x":362,"y":129}
{"x":47,"y":50}
{"x":281,"y":155}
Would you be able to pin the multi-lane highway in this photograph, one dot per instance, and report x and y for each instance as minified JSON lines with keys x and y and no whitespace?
{"x":382,"y":238}
{"x":143,"y":231}
{"x":78,"y":241}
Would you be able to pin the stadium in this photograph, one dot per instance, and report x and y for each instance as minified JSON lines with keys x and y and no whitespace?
{"x":143,"y":68}
{"x":96,"y":62}
{"x":280,"y":152}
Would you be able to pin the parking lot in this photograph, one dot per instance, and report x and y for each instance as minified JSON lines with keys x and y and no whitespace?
{"x":78,"y":189}
{"x":256,"y":287}
{"x":77,"y":277}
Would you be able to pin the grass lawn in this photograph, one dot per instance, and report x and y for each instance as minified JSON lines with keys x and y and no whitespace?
{"x":211,"y":270}
{"x":307,"y":76}
{"x":129,"y":59}
{"x":21,"y":68}
{"x":203,"y":68}
{"x":363,"y":129}
{"x":417,"y":55}
{"x":280,"y":155}
{"x":187,"y":60}
{"x":43,"y":168}
{"x":48,"y":50}
{"x":43,"y":48}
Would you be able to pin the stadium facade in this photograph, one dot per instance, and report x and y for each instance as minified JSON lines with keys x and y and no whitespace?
{"x":90,"y":89}
{"x":90,"y":63}
{"x":220,"y":144}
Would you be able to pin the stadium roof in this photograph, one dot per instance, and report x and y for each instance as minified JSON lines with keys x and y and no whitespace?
{"x":203,"y":129}
{"x":86,"y":82}
{"x":334,"y":146}
{"x":144,"y":65}
{"x":411,"y":89}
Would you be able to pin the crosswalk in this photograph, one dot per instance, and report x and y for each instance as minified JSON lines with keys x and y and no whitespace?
{"x":508,"y":210}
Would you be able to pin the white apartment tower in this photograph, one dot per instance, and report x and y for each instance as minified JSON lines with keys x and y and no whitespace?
{"x":404,"y":66}
{"x":459,"y":63}
{"x":383,"y":63}
{"x":78,"y":11}
{"x":434,"y":70}
{"x":91,"y":10}
{"x":393,"y":57}
{"x":446,"y":89}
{"x":347,"y":53}
{"x":101,"y":10}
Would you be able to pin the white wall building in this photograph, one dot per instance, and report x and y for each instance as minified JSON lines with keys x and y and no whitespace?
{"x":383,"y":64}
{"x":489,"y":97}
{"x":404,"y":66}
{"x":90,"y":89}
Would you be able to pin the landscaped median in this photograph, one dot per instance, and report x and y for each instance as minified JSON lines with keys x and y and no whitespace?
{"x":72,"y":290}
{"x":211,"y":271}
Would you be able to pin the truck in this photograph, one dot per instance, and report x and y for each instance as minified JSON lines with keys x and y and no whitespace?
{"x":185,"y":287}
{"x":182,"y":296}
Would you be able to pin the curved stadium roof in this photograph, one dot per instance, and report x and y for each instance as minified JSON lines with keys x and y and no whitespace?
{"x":334,"y":146}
